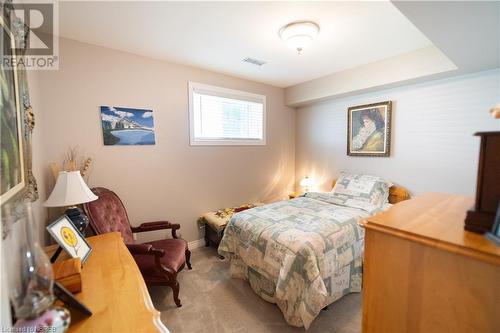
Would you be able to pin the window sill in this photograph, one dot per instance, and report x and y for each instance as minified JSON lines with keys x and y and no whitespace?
{"x":228,"y":143}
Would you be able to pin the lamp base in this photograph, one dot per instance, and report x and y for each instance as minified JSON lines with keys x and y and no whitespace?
{"x":78,"y":218}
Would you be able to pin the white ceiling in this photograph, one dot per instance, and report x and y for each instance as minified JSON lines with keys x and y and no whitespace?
{"x":466,"y":38}
{"x":218,"y":35}
{"x":469,"y":33}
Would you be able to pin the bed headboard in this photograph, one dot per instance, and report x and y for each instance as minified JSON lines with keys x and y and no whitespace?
{"x":396,"y":193}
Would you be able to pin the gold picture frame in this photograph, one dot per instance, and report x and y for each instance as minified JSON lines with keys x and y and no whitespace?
{"x":369,"y":129}
{"x":11,"y":146}
{"x":18,"y":123}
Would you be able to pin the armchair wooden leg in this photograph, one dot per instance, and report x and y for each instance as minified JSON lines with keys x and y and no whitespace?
{"x":188,"y":259}
{"x":175,"y":289}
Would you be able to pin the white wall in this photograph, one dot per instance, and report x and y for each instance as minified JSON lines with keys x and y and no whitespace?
{"x":170,"y":180}
{"x":433,"y":147}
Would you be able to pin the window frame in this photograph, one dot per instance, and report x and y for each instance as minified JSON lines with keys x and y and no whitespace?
{"x":227,"y":93}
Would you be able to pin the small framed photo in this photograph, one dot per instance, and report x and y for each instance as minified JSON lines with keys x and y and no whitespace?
{"x":494,"y":235}
{"x":496,"y":223}
{"x":69,"y":238}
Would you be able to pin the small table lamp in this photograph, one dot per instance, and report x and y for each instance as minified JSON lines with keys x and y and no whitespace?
{"x":306,"y":183}
{"x":69,"y":191}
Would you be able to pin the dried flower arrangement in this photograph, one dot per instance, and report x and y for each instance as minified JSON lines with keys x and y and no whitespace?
{"x":73,"y":162}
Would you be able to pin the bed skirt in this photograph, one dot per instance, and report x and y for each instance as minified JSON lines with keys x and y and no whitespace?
{"x":311,"y":305}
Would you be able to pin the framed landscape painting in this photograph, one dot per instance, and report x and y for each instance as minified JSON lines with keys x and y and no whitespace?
{"x":369,"y":129}
{"x":127,"y":126}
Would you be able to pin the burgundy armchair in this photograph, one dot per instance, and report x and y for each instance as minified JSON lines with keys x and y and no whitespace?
{"x":159,"y":261}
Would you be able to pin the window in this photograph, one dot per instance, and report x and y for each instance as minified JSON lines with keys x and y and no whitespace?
{"x":220,"y":116}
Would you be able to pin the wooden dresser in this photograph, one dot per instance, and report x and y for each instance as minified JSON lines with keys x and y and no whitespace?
{"x":424,"y":273}
{"x":114,"y":290}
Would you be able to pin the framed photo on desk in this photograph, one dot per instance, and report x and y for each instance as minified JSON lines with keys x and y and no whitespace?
{"x":69,"y":238}
{"x":494,"y":235}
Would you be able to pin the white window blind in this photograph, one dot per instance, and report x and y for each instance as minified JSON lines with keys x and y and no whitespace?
{"x":225,"y":116}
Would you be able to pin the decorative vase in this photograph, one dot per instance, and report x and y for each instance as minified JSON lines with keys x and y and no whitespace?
{"x":30,"y":276}
{"x":54,"y":320}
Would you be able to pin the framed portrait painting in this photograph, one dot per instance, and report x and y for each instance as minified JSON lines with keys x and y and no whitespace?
{"x":369,"y":129}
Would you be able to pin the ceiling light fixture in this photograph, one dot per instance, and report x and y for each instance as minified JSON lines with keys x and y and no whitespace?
{"x":299,"y":34}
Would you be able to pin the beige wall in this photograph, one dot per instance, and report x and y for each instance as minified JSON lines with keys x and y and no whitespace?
{"x":433,"y":147}
{"x":170,"y":180}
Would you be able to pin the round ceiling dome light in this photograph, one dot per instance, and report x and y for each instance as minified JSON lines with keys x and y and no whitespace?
{"x":299,"y":34}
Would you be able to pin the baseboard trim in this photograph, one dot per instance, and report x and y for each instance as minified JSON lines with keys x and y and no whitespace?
{"x":196,"y":244}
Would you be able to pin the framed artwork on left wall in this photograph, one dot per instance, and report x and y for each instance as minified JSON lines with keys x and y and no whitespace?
{"x":369,"y":129}
{"x":11,"y":129}
{"x":17,"y":121}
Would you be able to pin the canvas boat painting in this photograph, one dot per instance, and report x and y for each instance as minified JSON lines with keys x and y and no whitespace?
{"x":127,"y":126}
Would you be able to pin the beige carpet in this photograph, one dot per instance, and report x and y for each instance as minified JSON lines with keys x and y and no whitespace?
{"x":213,"y":302}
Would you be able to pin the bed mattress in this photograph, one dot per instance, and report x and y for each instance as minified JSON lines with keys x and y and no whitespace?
{"x":302,"y":254}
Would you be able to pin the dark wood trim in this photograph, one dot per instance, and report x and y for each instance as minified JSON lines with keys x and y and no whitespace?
{"x":481,"y":218}
{"x":157,"y":225}
{"x":477,"y":204}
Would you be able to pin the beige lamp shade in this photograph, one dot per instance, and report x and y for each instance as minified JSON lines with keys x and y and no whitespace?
{"x":70,"y":190}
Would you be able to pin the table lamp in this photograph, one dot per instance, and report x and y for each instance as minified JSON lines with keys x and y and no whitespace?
{"x":306,"y":183}
{"x":69,"y":191}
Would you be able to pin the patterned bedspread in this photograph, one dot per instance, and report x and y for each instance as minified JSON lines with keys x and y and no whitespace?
{"x":301,"y":254}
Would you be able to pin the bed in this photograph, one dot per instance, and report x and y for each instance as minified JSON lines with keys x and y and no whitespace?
{"x":303,"y":254}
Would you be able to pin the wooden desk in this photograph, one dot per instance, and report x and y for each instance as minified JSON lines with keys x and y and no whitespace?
{"x":114,"y":290}
{"x":424,"y":273}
